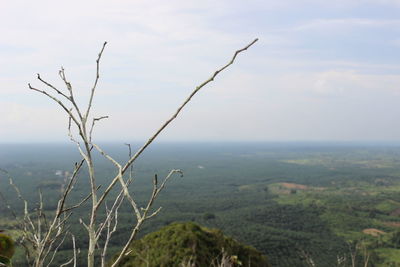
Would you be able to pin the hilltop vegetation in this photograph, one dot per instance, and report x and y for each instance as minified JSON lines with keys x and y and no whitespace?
{"x":191,"y":245}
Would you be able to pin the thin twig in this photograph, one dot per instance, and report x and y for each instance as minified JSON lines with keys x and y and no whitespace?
{"x":93,"y":123}
{"x":8,"y":206}
{"x":70,"y":185}
{"x":71,"y":93}
{"x":144,"y":216}
{"x":151,"y":139}
{"x":63,"y":106}
{"x":130,"y":155}
{"x":89,"y":106}
{"x":52,"y":86}
{"x":44,"y":238}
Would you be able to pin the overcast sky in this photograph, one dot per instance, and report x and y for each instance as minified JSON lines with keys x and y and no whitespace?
{"x":322,"y":70}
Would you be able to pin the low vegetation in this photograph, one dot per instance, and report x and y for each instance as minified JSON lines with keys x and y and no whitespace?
{"x":7,"y":249}
{"x":295,"y":210}
{"x":191,"y":245}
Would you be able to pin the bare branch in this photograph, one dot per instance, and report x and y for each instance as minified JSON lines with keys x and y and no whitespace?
{"x":84,"y":224}
{"x":154,"y":213}
{"x":44,"y":237}
{"x":93,"y":123}
{"x":111,"y":231}
{"x":73,"y":259}
{"x":58,"y":102}
{"x":56,"y":250}
{"x":183,"y":105}
{"x":151,"y":139}
{"x":52,"y":87}
{"x":61,"y":73}
{"x":27,"y":217}
{"x":89,"y":106}
{"x":144,"y":217}
{"x":71,"y":93}
{"x":72,"y":181}
{"x":8,"y":206}
{"x":118,"y":201}
{"x":81,"y":202}
{"x":39,"y":216}
{"x":121,"y":180}
{"x":130,"y":155}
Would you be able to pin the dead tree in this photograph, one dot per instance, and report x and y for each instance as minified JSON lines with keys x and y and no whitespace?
{"x":46,"y":237}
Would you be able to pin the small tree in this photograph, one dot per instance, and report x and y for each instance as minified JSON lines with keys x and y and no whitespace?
{"x":43,"y":236}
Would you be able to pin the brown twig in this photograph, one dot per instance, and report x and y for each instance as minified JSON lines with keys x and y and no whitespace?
{"x":154,"y":136}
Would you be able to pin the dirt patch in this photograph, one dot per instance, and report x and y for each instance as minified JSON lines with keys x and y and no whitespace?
{"x":392,"y":224}
{"x":396,"y":212}
{"x":294,"y":186}
{"x":373,"y":232}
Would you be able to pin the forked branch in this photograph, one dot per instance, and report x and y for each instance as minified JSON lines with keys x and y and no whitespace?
{"x":154,"y":136}
{"x":81,"y":121}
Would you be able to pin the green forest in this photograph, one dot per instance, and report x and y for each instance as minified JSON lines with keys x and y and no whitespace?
{"x":300,"y":204}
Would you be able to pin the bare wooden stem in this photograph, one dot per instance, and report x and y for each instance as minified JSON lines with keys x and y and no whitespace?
{"x":154,"y":136}
{"x":80,"y":119}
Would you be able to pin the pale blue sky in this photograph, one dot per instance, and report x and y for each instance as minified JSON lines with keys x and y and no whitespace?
{"x":320,"y":71}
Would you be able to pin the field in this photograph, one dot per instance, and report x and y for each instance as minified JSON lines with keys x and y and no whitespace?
{"x":295,"y":202}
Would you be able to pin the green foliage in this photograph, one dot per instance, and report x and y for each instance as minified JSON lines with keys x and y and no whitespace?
{"x":395,"y":239}
{"x":7,"y":249}
{"x":188,"y":242}
{"x":348,"y":189}
{"x":208,"y":216}
{"x":291,"y":234}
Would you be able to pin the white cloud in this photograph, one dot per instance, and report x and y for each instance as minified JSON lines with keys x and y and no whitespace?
{"x":159,"y":50}
{"x":345,"y":24}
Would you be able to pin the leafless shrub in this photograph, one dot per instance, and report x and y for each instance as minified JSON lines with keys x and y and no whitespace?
{"x":42,"y":236}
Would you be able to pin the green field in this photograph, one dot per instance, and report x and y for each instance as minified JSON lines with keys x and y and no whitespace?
{"x":293,"y":202}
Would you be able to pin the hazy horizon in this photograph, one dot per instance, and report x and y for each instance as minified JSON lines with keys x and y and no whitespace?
{"x":320,"y":70}
{"x":274,"y":143}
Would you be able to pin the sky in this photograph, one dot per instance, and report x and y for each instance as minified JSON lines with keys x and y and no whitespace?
{"x":321,"y":70}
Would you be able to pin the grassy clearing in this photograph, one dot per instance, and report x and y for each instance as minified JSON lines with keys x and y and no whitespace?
{"x":390,"y":256}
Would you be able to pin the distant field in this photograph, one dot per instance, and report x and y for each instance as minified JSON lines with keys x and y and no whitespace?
{"x":291,"y":201}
